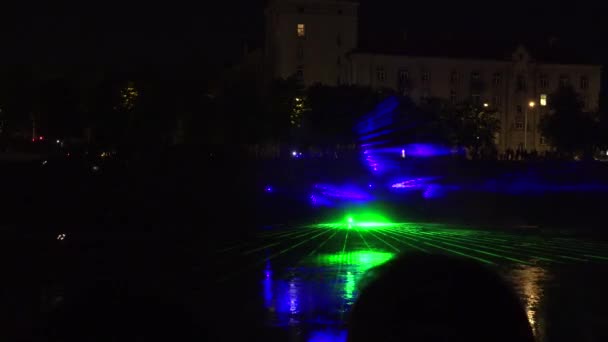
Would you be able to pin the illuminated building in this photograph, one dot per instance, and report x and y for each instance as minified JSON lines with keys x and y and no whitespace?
{"x":317,"y":41}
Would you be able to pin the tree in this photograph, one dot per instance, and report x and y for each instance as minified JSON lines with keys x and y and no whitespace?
{"x":335,"y":111}
{"x":567,"y":127}
{"x":465,"y":125}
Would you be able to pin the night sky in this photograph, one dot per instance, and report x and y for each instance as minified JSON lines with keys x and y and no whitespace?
{"x":174,"y":33}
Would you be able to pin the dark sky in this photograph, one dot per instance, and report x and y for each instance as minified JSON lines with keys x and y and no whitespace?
{"x":175,"y":33}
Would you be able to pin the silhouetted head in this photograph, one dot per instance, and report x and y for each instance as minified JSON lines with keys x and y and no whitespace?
{"x":436,"y":298}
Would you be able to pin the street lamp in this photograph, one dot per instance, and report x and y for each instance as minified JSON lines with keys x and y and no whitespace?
{"x":531,"y":105}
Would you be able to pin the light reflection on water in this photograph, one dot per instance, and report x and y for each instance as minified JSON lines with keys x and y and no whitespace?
{"x":529,"y":282}
{"x":324,"y":288}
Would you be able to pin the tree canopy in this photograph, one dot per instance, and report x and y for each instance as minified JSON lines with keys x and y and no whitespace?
{"x":568,"y":127}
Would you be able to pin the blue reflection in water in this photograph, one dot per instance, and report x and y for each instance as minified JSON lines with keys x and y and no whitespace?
{"x":327,"y":336}
{"x":267,"y":284}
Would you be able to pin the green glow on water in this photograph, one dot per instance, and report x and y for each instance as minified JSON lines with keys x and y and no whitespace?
{"x":364,"y":219}
{"x":362,"y":259}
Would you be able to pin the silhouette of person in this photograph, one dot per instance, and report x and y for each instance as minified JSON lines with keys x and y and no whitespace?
{"x":436,"y":298}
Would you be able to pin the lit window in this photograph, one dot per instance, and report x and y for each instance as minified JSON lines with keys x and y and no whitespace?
{"x":301,"y":30}
{"x":543,"y":99}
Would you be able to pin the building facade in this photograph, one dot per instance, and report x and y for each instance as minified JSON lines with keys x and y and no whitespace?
{"x":316,"y":40}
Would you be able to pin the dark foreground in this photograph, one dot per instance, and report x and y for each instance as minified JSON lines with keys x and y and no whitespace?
{"x":174,"y":250}
{"x":300,"y":282}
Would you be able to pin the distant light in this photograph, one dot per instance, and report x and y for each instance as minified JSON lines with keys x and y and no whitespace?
{"x":58,"y":141}
{"x":350,"y":220}
{"x":543,"y":99}
{"x":369,"y":185}
{"x":41,"y":138}
{"x":268,"y":188}
{"x":532,"y":104}
{"x":95,"y":168}
{"x":61,"y":237}
{"x":485,"y":104}
{"x":294,"y":153}
{"x":607,"y":153}
{"x":403,"y":153}
{"x":44,"y":162}
{"x":33,"y":139}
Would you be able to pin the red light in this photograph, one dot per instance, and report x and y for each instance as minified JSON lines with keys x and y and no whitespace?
{"x":41,"y":138}
{"x":33,"y":139}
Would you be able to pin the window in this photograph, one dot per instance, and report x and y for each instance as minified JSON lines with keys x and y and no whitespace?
{"x":403,"y":75}
{"x":475,"y":76}
{"x":519,"y":109}
{"x":584,"y":82}
{"x":584,"y":100}
{"x":564,"y":80}
{"x":453,"y":97}
{"x":300,"y":53}
{"x":519,"y":122}
{"x":543,"y":100}
{"x":496,"y":79}
{"x":301,"y":30}
{"x":300,"y":73}
{"x":543,"y":140}
{"x":543,"y":82}
{"x":476,"y":98}
{"x":454,"y":77}
{"x":521,"y":82}
{"x":496,"y":101}
{"x":380,"y":74}
{"x":425,"y":96}
{"x":426,"y":76}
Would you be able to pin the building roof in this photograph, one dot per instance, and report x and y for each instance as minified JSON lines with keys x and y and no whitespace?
{"x":549,"y":51}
